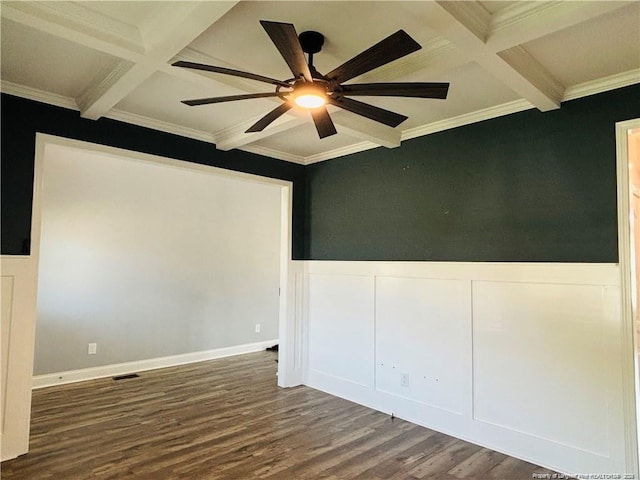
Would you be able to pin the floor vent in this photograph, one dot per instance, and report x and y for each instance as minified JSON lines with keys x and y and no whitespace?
{"x":124,"y":377}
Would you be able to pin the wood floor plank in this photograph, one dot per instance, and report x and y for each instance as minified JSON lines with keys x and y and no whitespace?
{"x":226,"y":419}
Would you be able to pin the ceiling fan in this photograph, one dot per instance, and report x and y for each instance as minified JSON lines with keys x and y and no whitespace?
{"x":311,"y":90}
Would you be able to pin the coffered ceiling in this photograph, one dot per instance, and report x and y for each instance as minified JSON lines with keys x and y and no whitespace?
{"x":113,"y":59}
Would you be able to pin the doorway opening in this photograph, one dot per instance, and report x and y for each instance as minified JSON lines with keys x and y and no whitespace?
{"x":22,"y":273}
{"x":221,"y":191}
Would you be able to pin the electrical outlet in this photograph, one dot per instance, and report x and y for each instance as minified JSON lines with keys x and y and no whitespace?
{"x":257,"y":328}
{"x":93,"y":349}
{"x":404,"y":380}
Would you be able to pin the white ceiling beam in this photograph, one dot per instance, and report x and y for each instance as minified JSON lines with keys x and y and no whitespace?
{"x":530,"y":76}
{"x":111,"y":86}
{"x":365,"y":129}
{"x":462,"y":23}
{"x":173,"y":29}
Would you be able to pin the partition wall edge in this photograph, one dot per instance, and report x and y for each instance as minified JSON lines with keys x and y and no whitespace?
{"x":20,"y":312}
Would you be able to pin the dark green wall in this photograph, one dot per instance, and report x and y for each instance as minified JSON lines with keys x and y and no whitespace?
{"x":21,"y":119}
{"x":526,"y":187}
{"x":530,"y":187}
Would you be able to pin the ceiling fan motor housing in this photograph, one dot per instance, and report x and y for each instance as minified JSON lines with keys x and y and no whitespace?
{"x":311,"y":42}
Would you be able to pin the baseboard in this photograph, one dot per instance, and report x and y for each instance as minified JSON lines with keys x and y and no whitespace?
{"x":72,"y":376}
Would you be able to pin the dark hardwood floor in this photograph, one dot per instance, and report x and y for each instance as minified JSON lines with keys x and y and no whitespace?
{"x":226,"y":419}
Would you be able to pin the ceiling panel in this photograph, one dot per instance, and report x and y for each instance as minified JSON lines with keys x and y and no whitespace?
{"x":160,"y":97}
{"x":465,"y":83}
{"x":135,"y":14}
{"x":252,"y":50}
{"x":39,"y":60}
{"x":594,"y":49}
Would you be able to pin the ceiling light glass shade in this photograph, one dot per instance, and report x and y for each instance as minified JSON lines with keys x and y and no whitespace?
{"x":309,"y":96}
{"x":310,"y":101}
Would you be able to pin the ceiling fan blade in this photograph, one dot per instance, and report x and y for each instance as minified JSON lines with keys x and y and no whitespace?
{"x":323,"y":122}
{"x":229,"y":71}
{"x":391,"y":48}
{"x":415,"y":89}
{"x":285,"y":38}
{"x":381,"y":115}
{"x":230,"y":98}
{"x":269,"y":117}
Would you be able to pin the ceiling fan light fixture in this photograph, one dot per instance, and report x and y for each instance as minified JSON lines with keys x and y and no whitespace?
{"x":309,"y":95}
{"x":311,"y":90}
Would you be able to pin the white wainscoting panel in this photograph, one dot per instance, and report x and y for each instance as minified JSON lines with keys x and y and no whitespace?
{"x":542,"y":349}
{"x":340,"y":328}
{"x":435,"y":360}
{"x":525,"y":359}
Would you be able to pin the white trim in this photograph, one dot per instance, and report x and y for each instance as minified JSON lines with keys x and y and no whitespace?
{"x":114,"y":114}
{"x":154,"y":124}
{"x":42,"y":96}
{"x":44,"y":139}
{"x":467,"y":118}
{"x":534,"y":272}
{"x":516,"y":13}
{"x":629,"y":375}
{"x":601,"y":85}
{"x":72,"y":376}
{"x":340,"y":152}
{"x":277,"y":154}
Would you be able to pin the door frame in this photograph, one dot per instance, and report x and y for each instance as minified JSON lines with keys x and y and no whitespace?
{"x":628,"y":346}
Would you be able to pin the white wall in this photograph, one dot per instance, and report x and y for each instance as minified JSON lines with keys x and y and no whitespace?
{"x":522,"y":358}
{"x":150,"y":260}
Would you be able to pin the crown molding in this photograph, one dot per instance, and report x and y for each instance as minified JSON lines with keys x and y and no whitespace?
{"x":120,"y":115}
{"x":593,"y":87}
{"x":340,"y":152}
{"x":519,"y":12}
{"x":31,"y":93}
{"x":467,"y":118}
{"x":600,"y":85}
{"x":152,"y":123}
{"x":277,"y":154}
